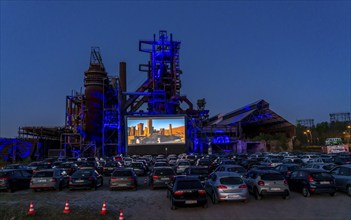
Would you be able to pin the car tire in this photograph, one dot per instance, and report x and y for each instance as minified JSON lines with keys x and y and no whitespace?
{"x":35,"y":190}
{"x":214,"y":198}
{"x":348,"y":190}
{"x":305,"y":192}
{"x":205,"y":206}
{"x":286,"y":197}
{"x":332,"y":193}
{"x":245,"y":201}
{"x":257,"y":194}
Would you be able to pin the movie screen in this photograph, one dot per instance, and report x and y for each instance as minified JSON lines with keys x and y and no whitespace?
{"x":155,"y":130}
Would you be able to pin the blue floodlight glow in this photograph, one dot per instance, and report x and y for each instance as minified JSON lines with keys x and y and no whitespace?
{"x":19,"y":146}
{"x":75,"y":153}
{"x":247,"y":108}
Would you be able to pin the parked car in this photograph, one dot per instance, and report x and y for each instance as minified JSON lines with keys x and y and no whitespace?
{"x":68,"y":167}
{"x":85,"y":178}
{"x":20,"y":166}
{"x":49,"y":179}
{"x":182,"y":165}
{"x":231,"y":168}
{"x":139,"y":168}
{"x":342,"y":175}
{"x":227,"y":186}
{"x":309,"y":181}
{"x":161,"y":177}
{"x":186,"y":191}
{"x":321,"y":166}
{"x":109,"y":167}
{"x":11,"y":179}
{"x":123,"y":178}
{"x":200,"y":172}
{"x":286,"y":169}
{"x":267,"y":182}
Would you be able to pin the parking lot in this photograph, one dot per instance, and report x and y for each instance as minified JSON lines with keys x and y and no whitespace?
{"x":145,"y":203}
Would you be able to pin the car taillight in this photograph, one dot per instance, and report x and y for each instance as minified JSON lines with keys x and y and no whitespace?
{"x":221,"y":187}
{"x":5,"y":178}
{"x":154,"y":177}
{"x":310,"y":179}
{"x":91,"y":178}
{"x":178,"y":193}
{"x":201,"y":192}
{"x":260,"y":183}
{"x":243,"y":186}
{"x":114,"y":178}
{"x":285,"y":182}
{"x":130,"y":178}
{"x":270,"y":164}
{"x":53,"y":180}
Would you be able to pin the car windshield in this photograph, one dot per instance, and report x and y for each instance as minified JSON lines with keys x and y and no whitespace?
{"x":189,"y":184}
{"x":231,"y":180}
{"x":272,"y":176}
{"x":83,"y":173}
{"x":164,"y":172}
{"x":199,"y":171}
{"x":122,"y":173}
{"x":44,"y":174}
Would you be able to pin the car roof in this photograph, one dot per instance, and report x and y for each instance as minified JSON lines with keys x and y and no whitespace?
{"x":265,"y":171}
{"x":164,"y":167}
{"x":312,"y":170}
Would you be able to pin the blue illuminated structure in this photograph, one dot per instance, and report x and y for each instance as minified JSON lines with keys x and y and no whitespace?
{"x":15,"y":148}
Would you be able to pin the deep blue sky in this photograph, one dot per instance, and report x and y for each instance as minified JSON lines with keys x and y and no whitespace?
{"x":293,"y":54}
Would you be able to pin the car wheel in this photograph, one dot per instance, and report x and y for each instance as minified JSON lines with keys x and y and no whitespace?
{"x":245,"y":201}
{"x":35,"y":190}
{"x":286,"y":197}
{"x":257,"y":194}
{"x":305,"y":192}
{"x":214,"y":198}
{"x":332,"y":194}
{"x":348,"y":190}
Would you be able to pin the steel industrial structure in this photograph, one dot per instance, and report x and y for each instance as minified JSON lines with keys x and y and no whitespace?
{"x":95,"y":118}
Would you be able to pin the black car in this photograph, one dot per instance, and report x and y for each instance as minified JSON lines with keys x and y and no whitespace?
{"x":123,"y":178}
{"x":68,"y":167}
{"x":85,"y":178}
{"x":11,"y":179}
{"x":309,"y":181}
{"x":161,"y":176}
{"x":186,"y":191}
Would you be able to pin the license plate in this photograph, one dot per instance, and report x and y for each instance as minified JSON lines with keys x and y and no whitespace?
{"x":79,"y":181}
{"x":275,"y":189}
{"x":324,"y":182}
{"x":41,"y":181}
{"x":123,"y":184}
{"x":190,"y":202}
{"x":164,"y":179}
{"x":233,"y":196}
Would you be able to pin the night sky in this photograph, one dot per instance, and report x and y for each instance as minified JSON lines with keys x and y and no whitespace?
{"x":293,"y":54}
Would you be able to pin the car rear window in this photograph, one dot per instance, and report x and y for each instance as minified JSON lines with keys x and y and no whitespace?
{"x":272,"y":176}
{"x":164,"y":172}
{"x":189,"y":184}
{"x":321,"y":175}
{"x":231,"y":180}
{"x":44,"y":174}
{"x":122,"y":173}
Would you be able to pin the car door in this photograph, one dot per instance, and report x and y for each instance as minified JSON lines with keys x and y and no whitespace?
{"x":342,"y":177}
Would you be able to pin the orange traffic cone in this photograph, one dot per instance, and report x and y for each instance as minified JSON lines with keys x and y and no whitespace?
{"x":31,"y":209}
{"x":121,"y":217}
{"x":66,"y":210}
{"x":103,"y":210}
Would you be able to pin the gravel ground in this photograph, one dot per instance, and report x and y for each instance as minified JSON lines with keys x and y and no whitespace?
{"x":153,"y":204}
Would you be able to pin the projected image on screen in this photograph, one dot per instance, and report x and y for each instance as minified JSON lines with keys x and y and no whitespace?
{"x":155,"y":130}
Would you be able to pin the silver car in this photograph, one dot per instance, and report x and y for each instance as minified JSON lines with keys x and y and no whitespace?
{"x":228,"y":186}
{"x":49,"y":179}
{"x":182,"y":165}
